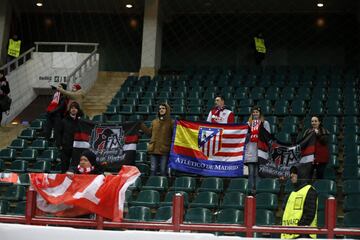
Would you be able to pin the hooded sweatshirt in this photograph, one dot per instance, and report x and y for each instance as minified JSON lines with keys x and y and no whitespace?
{"x":161,"y":131}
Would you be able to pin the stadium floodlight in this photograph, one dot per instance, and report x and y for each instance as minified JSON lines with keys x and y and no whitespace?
{"x":320,"y":4}
{"x":39,"y":3}
{"x":128,"y":5}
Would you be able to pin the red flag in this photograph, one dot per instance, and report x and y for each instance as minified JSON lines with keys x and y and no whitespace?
{"x":83,"y":194}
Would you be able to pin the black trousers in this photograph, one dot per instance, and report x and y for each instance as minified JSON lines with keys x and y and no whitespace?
{"x":66,"y":155}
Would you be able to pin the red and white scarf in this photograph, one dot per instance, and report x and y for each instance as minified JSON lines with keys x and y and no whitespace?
{"x":255,"y":126}
{"x":85,"y":170}
{"x":54,"y":102}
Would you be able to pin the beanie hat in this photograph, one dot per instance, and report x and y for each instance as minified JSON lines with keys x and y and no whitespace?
{"x":90,"y":156}
{"x":77,"y":86}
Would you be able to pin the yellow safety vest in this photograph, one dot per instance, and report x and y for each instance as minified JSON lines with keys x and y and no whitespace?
{"x":260,"y":45}
{"x":14,"y":48}
{"x":294,"y":210}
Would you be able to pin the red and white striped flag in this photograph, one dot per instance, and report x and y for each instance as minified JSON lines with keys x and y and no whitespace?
{"x":82,"y":194}
{"x":224,"y":143}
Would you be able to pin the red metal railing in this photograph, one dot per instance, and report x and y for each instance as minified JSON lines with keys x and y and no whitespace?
{"x":177,"y":224}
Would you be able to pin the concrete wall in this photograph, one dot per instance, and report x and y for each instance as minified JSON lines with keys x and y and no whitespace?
{"x":26,"y":82}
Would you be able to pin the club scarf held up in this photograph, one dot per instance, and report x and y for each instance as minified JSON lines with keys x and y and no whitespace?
{"x":83,"y":194}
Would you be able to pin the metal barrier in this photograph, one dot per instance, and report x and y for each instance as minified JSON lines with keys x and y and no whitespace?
{"x":73,"y":76}
{"x":15,"y":63}
{"x":83,"y":66}
{"x":177,"y":224}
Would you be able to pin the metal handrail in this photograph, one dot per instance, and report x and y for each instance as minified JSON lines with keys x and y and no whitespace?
{"x":7,"y":66}
{"x":72,"y":77}
{"x":66,"y":44}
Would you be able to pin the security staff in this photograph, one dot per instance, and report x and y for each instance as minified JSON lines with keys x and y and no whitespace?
{"x":14,"y":47}
{"x":260,"y":49}
{"x":301,"y":206}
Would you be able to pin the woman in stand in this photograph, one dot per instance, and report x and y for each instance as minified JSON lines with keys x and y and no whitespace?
{"x":255,"y":122}
{"x":322,"y":154}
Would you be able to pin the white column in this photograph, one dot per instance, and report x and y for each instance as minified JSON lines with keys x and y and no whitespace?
{"x":5,"y":18}
{"x":151,"y":41}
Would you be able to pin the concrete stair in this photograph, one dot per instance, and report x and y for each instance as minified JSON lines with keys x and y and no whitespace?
{"x":9,"y":133}
{"x":104,"y":89}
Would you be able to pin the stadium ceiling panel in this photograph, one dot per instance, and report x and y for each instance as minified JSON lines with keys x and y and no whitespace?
{"x":190,"y":6}
{"x":97,"y":6}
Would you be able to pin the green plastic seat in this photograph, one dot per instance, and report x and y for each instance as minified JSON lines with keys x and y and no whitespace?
{"x":28,"y":134}
{"x":15,"y":193}
{"x":18,"y":209}
{"x":4,"y":206}
{"x":325,"y":186}
{"x":163,"y":214}
{"x":141,"y":157}
{"x":351,"y":172}
{"x":37,"y":125}
{"x":187,"y":184}
{"x":198,"y":215}
{"x":49,"y":155}
{"x":321,"y":218}
{"x":142,"y":109}
{"x":351,"y":187}
{"x":158,"y":183}
{"x":99,"y":118}
{"x":147,"y":198}
{"x":211,"y":184}
{"x":40,"y":167}
{"x":115,"y":119}
{"x":142,"y":146}
{"x":39,"y":144}
{"x":126,"y":109}
{"x":352,"y":219}
{"x":138,"y":214}
{"x":143,"y":168}
{"x":111,"y":110}
{"x":168,"y":201}
{"x":18,"y":144}
{"x":322,"y":197}
{"x":266,"y":201}
{"x":206,"y":200}
{"x":24,"y":179}
{"x":28,"y":154}
{"x":265,"y":217}
{"x":270,"y":185}
{"x":334,"y":162}
{"x":351,"y":202}
{"x":238,"y":185}
{"x":18,"y":166}
{"x":136,"y":185}
{"x":233,"y":200}
{"x":230,"y":216}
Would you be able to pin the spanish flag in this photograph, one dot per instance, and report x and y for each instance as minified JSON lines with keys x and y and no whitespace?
{"x":208,"y":149}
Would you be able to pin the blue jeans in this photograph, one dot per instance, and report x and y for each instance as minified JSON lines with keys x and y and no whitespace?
{"x":253,"y":176}
{"x":157,"y":160}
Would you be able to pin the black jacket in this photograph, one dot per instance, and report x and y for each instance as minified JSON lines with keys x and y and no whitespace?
{"x":4,"y":88}
{"x":67,"y":130}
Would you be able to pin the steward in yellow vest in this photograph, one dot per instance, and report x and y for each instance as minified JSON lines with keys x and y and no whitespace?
{"x":259,"y":48}
{"x":301,"y":206}
{"x":260,"y":45}
{"x":14,"y":47}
